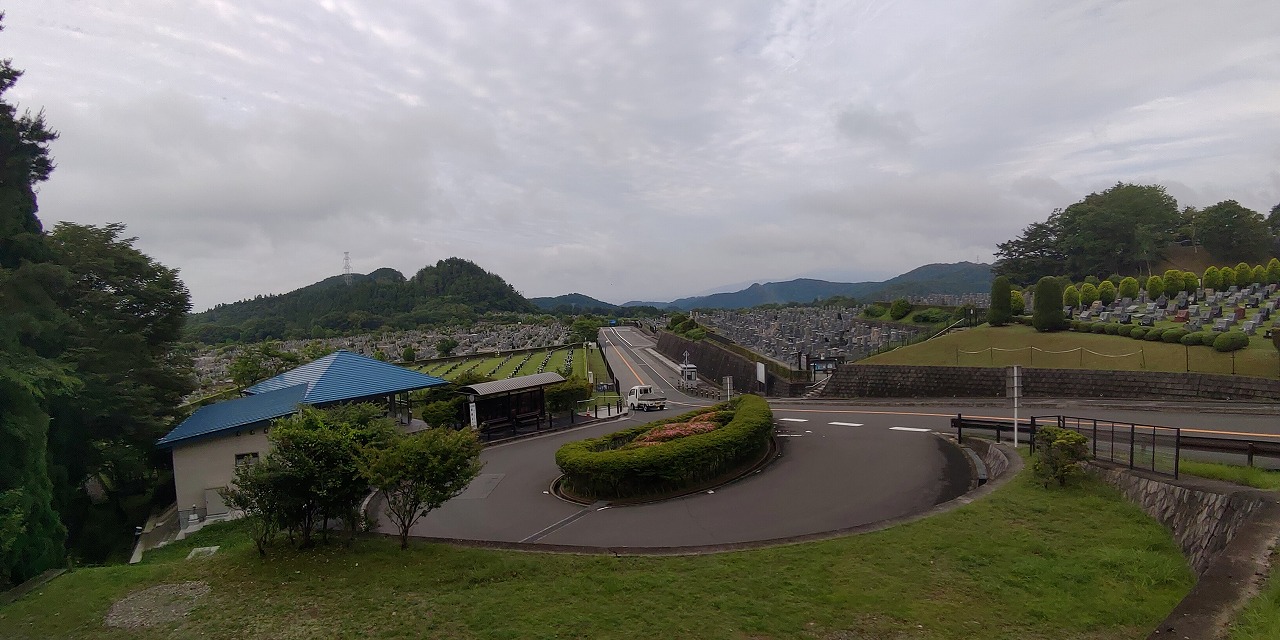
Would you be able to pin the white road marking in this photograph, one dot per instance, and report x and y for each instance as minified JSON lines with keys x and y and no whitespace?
{"x":909,"y":429}
{"x":845,"y":424}
{"x":790,"y":435}
{"x":792,"y":420}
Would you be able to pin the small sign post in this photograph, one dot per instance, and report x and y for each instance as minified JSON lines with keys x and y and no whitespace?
{"x":1013,"y":390}
{"x":728,"y":388}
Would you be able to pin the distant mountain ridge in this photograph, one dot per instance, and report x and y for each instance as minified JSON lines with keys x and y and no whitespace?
{"x":954,"y":278}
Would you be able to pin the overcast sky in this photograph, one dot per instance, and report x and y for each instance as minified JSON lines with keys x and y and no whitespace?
{"x":630,"y":150}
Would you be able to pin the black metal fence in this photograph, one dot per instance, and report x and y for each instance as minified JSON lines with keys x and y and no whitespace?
{"x":1134,"y":445}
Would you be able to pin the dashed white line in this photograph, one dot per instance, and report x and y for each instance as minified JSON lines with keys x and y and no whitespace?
{"x":792,"y":420}
{"x":845,"y":424}
{"x":909,"y":429}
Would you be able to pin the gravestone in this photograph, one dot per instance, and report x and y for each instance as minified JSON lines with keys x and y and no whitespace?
{"x":1233,"y":289}
{"x":1159,"y":314}
{"x":1239,"y":314}
{"x":1181,"y":316}
{"x":1147,"y":321}
{"x":1250,"y":328}
{"x":1105,"y":316}
{"x":1162,"y":302}
{"x":1216,"y":311}
{"x":1124,"y":318}
{"x":1084,"y":315}
{"x":1133,"y":308}
{"x":1193,"y":325}
{"x":1221,"y":324}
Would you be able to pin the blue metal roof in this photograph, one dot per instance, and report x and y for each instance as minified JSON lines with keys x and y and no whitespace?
{"x":239,"y":412}
{"x":339,"y":376}
{"x":343,"y":375}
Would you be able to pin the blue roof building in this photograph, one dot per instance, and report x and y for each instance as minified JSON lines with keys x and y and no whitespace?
{"x":209,"y":445}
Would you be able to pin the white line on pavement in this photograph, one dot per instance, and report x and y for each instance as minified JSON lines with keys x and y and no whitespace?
{"x":792,"y":420}
{"x":845,"y":424}
{"x":908,"y":429}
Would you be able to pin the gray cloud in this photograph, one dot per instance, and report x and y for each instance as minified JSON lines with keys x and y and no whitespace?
{"x":630,"y":150}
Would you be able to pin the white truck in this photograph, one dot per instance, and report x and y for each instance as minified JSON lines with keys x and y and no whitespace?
{"x":644,"y":398}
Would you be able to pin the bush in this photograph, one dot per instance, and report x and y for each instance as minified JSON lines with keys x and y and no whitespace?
{"x":1125,"y":330}
{"x":899,"y":309}
{"x":1048,"y":314}
{"x":605,"y":468}
{"x":873,"y":311}
{"x":931,"y":316}
{"x":1098,"y":327}
{"x":1174,"y":336}
{"x":1001,"y":310}
{"x":1153,"y":335}
{"x":1231,"y":341}
{"x":1138,"y":332}
{"x":1113,"y":328}
{"x":1192,"y":339}
{"x":1059,"y":454}
{"x":1209,"y":337}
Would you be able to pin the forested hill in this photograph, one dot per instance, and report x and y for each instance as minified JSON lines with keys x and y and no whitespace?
{"x":452,"y":291}
{"x":957,"y":278}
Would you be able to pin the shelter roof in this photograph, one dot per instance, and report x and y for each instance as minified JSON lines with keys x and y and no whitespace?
{"x":343,"y":375}
{"x":511,"y":385}
{"x":229,"y":414}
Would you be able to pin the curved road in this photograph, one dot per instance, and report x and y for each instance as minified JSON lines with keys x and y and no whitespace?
{"x":841,"y":465}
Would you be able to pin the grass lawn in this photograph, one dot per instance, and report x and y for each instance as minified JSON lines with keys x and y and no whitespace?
{"x":1022,"y":563}
{"x":1248,"y":476}
{"x":1260,"y":620}
{"x":982,"y":347}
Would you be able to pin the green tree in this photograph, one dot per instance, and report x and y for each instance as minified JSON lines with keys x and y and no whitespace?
{"x":260,"y":492}
{"x":408,"y":354}
{"x":258,"y":362}
{"x":30,"y":337}
{"x":127,"y":314}
{"x":1273,"y":220}
{"x":1212,"y":278}
{"x":1228,"y":230}
{"x":1107,"y":292}
{"x":1190,"y":281}
{"x":418,"y":473}
{"x":1228,"y":276}
{"x":1071,"y":296}
{"x":1244,"y":274}
{"x":1155,"y":287}
{"x":315,"y":350}
{"x":1088,"y":294}
{"x":1017,"y":303}
{"x":1273,"y":271}
{"x":1048,"y":314}
{"x":1259,"y":275}
{"x":1035,"y":253}
{"x":1129,"y":288}
{"x":1059,"y":455}
{"x":1118,"y":230}
{"x":1001,"y":302}
{"x":585,"y":329}
{"x":899,"y":309}
{"x":565,"y":396}
{"x":445,"y":347}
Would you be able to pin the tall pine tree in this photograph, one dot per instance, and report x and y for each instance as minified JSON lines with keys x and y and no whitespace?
{"x":31,"y":536}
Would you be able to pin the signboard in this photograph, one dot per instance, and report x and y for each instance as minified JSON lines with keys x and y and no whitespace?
{"x":475,"y":423}
{"x":1013,"y":383}
{"x":728,"y":388}
{"x":760,"y":373}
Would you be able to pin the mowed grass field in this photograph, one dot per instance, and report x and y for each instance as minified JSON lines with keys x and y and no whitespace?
{"x":987,"y":346}
{"x":502,"y":367}
{"x":1022,"y":563}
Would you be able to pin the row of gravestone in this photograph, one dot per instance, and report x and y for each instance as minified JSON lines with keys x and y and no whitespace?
{"x":1251,"y":307}
{"x":784,"y":333}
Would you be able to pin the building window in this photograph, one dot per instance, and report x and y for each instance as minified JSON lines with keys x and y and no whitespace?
{"x":246,"y":459}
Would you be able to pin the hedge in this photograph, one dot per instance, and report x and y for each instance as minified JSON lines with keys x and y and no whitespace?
{"x":1138,"y":333}
{"x":1173,"y":336}
{"x":1153,"y":335}
{"x":1125,"y":330}
{"x":1231,"y":341}
{"x":1209,"y":338}
{"x":1193,"y":339}
{"x":1113,"y":328}
{"x":601,"y":468}
{"x":1098,"y":327}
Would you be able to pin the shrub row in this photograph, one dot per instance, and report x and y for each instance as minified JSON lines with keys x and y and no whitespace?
{"x":1225,"y":342}
{"x":604,"y":468}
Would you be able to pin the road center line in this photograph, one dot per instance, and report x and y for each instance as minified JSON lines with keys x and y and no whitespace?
{"x":792,"y":420}
{"x":845,"y":424}
{"x":909,"y":429}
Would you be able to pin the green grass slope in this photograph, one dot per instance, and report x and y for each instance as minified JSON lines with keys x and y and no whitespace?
{"x":1022,"y":563}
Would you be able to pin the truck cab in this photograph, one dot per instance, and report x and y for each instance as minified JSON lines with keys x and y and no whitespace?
{"x":644,"y":398}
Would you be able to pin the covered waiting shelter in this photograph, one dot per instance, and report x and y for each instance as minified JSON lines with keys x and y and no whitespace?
{"x":512,"y":403}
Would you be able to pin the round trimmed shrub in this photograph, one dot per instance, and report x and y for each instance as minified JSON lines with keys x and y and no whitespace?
{"x":1125,"y":330}
{"x":1231,"y":341}
{"x":1173,"y":336}
{"x":606,"y":468}
{"x":1078,"y":325}
{"x":1098,"y":327}
{"x":1193,"y":339}
{"x":1138,"y":333}
{"x":1209,"y":338}
{"x":1113,"y":328}
{"x":1153,"y":335}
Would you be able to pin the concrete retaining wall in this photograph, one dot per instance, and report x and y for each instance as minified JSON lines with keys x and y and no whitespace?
{"x":714,"y":363}
{"x":1203,"y":520}
{"x":900,"y":381}
{"x":995,"y":458}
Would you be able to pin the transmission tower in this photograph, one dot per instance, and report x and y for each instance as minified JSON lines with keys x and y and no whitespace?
{"x":346,"y":267}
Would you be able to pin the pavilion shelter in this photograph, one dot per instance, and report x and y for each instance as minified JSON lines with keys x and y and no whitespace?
{"x":512,"y":404}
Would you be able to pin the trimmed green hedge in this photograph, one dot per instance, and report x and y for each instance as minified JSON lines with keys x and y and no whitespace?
{"x":1138,"y":333}
{"x":1173,"y":336}
{"x":602,"y":468}
{"x":1231,"y":341}
{"x":1125,"y":330}
{"x":1153,"y":335}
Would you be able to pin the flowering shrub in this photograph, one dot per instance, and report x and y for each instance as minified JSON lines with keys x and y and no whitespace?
{"x":672,"y":431}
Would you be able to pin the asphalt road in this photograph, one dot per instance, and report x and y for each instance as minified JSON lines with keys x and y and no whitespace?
{"x":842,"y":465}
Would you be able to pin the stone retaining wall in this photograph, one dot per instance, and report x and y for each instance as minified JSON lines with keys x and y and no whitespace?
{"x":714,"y":363}
{"x":1202,"y":517}
{"x":902,"y":381}
{"x":996,"y":459}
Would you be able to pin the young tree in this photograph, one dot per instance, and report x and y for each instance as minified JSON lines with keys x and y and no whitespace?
{"x":1129,"y":288}
{"x":1107,"y":292}
{"x":259,"y":491}
{"x":1155,"y":287}
{"x":418,"y":473}
{"x":1273,"y":271}
{"x":1001,"y":303}
{"x":1059,"y":454}
{"x":1017,"y":303}
{"x":445,"y":347}
{"x":1190,"y":281}
{"x":1228,"y":276}
{"x":1244,"y":274}
{"x":1071,"y":297}
{"x":408,"y":354}
{"x":1230,"y":231}
{"x":1088,"y":294}
{"x":1048,"y":314}
{"x":261,"y":361}
{"x":1212,"y":278}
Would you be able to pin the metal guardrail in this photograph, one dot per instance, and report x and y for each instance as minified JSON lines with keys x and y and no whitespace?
{"x":1136,"y":446}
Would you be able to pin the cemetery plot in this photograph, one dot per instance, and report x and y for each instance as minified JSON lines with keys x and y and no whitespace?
{"x":784,"y":334}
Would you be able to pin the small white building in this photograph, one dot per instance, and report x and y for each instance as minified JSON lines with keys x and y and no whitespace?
{"x":208,"y":446}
